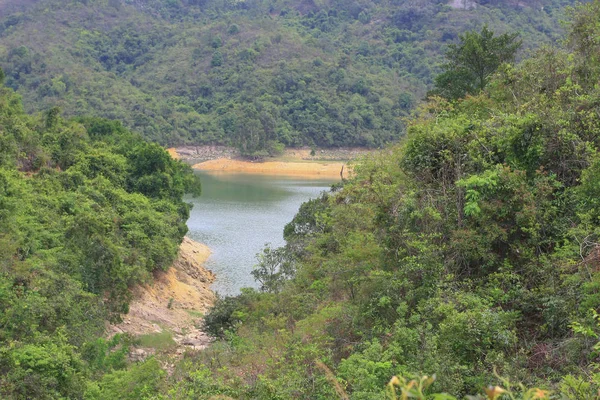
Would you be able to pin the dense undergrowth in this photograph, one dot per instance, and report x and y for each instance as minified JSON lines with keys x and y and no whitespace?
{"x":256,"y":74}
{"x":87,"y":210}
{"x":470,"y":251}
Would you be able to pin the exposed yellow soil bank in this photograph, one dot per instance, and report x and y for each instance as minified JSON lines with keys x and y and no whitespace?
{"x":175,"y":301}
{"x":173,"y":153}
{"x":301,"y":169}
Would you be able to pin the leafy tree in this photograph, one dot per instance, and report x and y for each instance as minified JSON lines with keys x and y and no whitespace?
{"x":583,"y":38}
{"x":471,"y":62}
{"x":274,"y":268}
{"x":217,"y":59}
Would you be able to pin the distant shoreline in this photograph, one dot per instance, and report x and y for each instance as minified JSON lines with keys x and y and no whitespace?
{"x":331,"y":170}
{"x":301,"y":162}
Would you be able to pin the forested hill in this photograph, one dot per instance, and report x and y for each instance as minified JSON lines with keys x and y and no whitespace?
{"x":256,"y":73}
{"x":87,"y":211}
{"x":471,"y":250}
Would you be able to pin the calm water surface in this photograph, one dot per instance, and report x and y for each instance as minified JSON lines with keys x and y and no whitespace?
{"x":237,"y":214}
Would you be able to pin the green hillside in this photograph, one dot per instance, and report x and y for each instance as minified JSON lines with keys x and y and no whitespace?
{"x":87,"y":211}
{"x":255,"y":74}
{"x":470,"y":250}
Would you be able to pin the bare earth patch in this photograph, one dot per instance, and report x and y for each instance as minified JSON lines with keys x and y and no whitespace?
{"x":173,"y":304}
{"x":198,"y":154}
{"x":299,"y":162}
{"x":173,"y":153}
{"x":303,"y":169}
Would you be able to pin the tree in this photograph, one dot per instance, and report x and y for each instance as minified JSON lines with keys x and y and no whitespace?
{"x":473,"y":61}
{"x":273,"y":269}
{"x":217,"y":59}
{"x":584,"y":38}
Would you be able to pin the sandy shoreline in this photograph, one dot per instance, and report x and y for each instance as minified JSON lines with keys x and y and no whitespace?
{"x":331,"y":170}
{"x":295,"y":162}
{"x":173,"y":153}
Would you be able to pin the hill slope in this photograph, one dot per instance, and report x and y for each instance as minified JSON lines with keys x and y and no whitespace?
{"x":254,"y":74}
{"x":87,"y":211}
{"x":470,"y":250}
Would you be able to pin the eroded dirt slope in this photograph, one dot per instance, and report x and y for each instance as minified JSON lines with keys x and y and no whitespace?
{"x":174,"y":302}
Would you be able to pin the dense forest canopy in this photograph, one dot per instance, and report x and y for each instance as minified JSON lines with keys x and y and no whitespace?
{"x":256,"y":74}
{"x":87,"y":211}
{"x":470,"y":251}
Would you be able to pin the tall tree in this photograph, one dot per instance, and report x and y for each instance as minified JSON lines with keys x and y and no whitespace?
{"x":473,"y":60}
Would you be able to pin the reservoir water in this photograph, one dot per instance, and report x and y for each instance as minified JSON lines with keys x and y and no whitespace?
{"x":238,"y":214}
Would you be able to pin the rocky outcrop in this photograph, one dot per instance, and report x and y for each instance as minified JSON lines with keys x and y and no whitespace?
{"x":203,"y":153}
{"x":206,"y":153}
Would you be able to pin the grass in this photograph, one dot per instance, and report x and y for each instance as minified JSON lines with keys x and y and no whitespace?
{"x":195,"y":314}
{"x":158,"y":341}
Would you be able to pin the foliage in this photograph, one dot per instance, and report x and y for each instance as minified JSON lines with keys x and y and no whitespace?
{"x":473,"y":61}
{"x":273,"y":269}
{"x":257,"y":75}
{"x":87,"y":210}
{"x":469,"y":248}
{"x":417,"y":388}
{"x":142,"y":381}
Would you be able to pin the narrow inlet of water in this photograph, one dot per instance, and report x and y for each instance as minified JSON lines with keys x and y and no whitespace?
{"x":238,"y":214}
